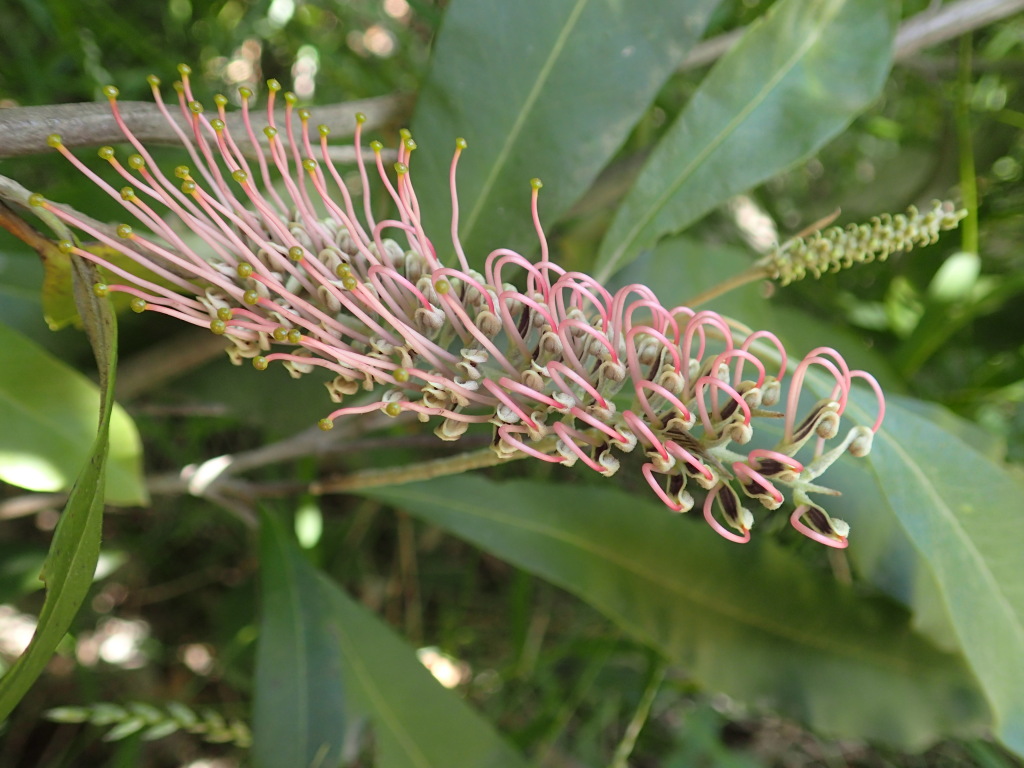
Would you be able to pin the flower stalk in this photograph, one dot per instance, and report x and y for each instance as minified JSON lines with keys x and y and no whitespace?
{"x":294,"y":270}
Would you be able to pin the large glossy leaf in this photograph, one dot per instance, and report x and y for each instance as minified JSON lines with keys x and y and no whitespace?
{"x":416,"y":722}
{"x":75,"y":549}
{"x":546,"y":89}
{"x":299,"y":701}
{"x":756,"y":622}
{"x":793,"y":82}
{"x":48,"y":411}
{"x":961,"y":512}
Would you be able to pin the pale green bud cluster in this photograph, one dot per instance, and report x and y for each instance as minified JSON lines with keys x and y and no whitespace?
{"x":837,"y":248}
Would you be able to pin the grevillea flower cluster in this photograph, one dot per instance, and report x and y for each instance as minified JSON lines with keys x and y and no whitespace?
{"x":559,"y":367}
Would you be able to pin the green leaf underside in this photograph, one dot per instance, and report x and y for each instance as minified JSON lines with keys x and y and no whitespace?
{"x":317,"y":644}
{"x":753,"y":621}
{"x":537,"y":89}
{"x":298,"y":705}
{"x":48,"y":411}
{"x":961,"y":512}
{"x":71,"y":562}
{"x":416,"y":721}
{"x":793,"y":82}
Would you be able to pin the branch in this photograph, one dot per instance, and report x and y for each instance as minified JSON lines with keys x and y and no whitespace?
{"x":930,"y":27}
{"x":411,"y":473}
{"x":946,"y":22}
{"x":23,"y":130}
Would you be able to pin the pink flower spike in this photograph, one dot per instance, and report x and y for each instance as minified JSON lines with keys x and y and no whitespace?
{"x":261,"y":241}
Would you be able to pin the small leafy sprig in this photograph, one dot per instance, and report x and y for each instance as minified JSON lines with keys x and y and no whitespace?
{"x":152,"y":723}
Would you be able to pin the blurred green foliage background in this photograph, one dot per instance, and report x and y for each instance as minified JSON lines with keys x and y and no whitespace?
{"x":174,"y":615}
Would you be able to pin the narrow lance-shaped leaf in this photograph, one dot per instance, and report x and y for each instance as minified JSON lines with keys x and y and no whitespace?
{"x":546,"y":89}
{"x":71,"y":562}
{"x":298,"y":708}
{"x":794,"y":81}
{"x":753,"y":621}
{"x":416,"y":722}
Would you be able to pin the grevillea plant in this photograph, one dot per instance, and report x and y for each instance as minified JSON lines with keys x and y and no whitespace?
{"x":293,"y":270}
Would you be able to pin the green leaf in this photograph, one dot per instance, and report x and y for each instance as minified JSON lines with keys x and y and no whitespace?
{"x":961,"y":513}
{"x":299,"y":704}
{"x":314,"y":638}
{"x":546,"y":89}
{"x":794,"y":81}
{"x":48,"y":411}
{"x":74,"y":552}
{"x":417,"y":722}
{"x":755,"y":621}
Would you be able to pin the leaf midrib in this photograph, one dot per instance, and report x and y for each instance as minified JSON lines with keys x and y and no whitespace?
{"x":517,"y":127}
{"x":653,"y":210}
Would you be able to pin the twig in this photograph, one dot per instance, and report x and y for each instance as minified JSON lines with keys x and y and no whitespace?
{"x":220,"y":473}
{"x":23,"y":130}
{"x":424,"y":470}
{"x":949,"y":21}
{"x":31,"y":504}
{"x":930,"y":27}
